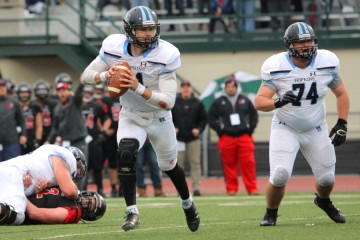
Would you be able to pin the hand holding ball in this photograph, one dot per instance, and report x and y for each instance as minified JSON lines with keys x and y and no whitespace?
{"x":114,"y":82}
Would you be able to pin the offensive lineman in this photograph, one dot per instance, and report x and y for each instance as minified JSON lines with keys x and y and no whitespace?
{"x":145,"y":106}
{"x":49,"y":165}
{"x":301,"y":78}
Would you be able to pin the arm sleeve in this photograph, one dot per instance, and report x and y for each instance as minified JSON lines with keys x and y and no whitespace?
{"x":74,"y":214}
{"x":165,"y":99}
{"x":96,"y":66}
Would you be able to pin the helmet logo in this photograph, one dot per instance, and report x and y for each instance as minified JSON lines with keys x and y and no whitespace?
{"x":304,"y":36}
{"x":148,"y":22}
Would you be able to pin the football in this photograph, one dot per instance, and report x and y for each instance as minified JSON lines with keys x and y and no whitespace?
{"x":113,"y":84}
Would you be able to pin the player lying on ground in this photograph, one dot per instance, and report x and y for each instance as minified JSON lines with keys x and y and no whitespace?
{"x":51,"y":207}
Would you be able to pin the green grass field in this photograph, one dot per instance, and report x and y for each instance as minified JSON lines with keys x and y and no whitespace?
{"x":222,"y":217}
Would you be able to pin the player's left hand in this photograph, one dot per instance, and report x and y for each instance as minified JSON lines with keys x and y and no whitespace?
{"x":41,"y":185}
{"x":340,"y":130}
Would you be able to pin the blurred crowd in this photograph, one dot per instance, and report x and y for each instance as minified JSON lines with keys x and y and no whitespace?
{"x":224,"y":11}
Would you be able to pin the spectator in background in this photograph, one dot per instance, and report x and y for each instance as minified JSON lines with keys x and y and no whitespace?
{"x":147,"y":156}
{"x":189,"y":117}
{"x":264,"y":9}
{"x":35,"y":6}
{"x":314,"y":8}
{"x":101,"y":4}
{"x":97,"y":120}
{"x":169,"y":7}
{"x":135,"y":3}
{"x":234,"y":119}
{"x":12,"y":125}
{"x":110,"y":143}
{"x":69,"y":127}
{"x":47,"y":104}
{"x":279,"y":7}
{"x":247,"y":23}
{"x":217,"y":9}
{"x":202,"y":5}
{"x":33,"y":119}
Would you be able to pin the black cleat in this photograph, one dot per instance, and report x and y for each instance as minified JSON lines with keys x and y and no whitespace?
{"x":329,"y":208}
{"x":192,"y":217}
{"x":268,"y":220}
{"x":131,"y":222}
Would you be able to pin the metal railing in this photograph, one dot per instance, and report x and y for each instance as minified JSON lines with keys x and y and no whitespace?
{"x":88,"y":31}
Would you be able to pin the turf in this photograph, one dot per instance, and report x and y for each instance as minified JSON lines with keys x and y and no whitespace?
{"x":222,"y":217}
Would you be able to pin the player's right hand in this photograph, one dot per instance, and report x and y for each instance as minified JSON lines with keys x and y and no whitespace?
{"x":288,"y":97}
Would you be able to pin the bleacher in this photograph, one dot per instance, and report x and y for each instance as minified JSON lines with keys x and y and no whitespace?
{"x":345,"y":18}
{"x":75,"y":23}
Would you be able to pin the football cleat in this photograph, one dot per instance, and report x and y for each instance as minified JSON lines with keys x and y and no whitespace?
{"x":192,"y":217}
{"x":329,"y":208}
{"x":131,"y":222}
{"x":268,"y":220}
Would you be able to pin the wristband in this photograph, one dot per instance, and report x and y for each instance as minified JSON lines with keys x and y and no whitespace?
{"x":341,"y":121}
{"x":278,"y":103}
{"x":140,"y":89}
{"x":103,"y":77}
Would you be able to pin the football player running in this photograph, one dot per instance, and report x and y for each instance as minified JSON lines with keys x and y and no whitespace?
{"x":145,"y":106}
{"x":301,"y":78}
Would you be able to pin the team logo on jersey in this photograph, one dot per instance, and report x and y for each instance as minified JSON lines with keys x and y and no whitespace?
{"x":141,"y":68}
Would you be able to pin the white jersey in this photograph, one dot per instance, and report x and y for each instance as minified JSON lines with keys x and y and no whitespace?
{"x":153,"y":65}
{"x":309,"y":84}
{"x":39,"y":166}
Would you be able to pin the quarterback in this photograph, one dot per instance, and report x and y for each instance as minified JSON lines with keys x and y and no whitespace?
{"x":145,"y":106}
{"x":301,"y":78}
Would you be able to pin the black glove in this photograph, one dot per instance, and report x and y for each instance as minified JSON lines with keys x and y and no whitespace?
{"x":288,"y":97}
{"x":340,"y":130}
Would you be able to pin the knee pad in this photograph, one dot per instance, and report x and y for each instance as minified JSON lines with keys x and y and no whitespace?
{"x":7,"y":215}
{"x":326,"y":179}
{"x":280,"y":177}
{"x":126,"y":156}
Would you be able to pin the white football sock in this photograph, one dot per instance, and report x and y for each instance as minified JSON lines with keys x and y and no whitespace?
{"x":133,"y":209}
{"x":186,"y":204}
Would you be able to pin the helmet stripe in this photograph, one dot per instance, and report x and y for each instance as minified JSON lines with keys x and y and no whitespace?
{"x":148,"y":11}
{"x":303,"y":29}
{"x":143,"y":14}
{"x":146,"y":14}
